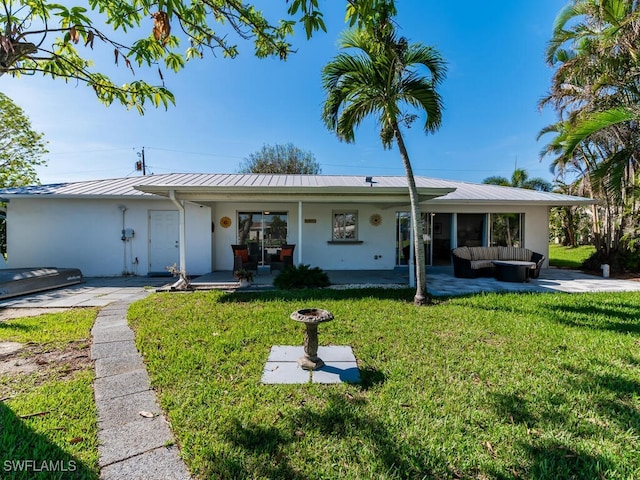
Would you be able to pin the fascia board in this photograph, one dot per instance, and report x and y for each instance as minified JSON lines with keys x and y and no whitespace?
{"x":308,"y":193}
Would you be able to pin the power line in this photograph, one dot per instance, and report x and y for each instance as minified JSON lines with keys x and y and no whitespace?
{"x":194,"y":153}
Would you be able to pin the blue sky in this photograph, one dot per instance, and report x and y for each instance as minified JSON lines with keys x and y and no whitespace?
{"x":227,"y":109}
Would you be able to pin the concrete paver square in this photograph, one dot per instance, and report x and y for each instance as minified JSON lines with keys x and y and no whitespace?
{"x":285,"y":353}
{"x":337,"y":372}
{"x":120,"y":385}
{"x":112,"y":335}
{"x":284,"y":372}
{"x":336,"y":353}
{"x":125,"y":441}
{"x":113,"y":349}
{"x":161,"y":463}
{"x":109,"y":366}
{"x":282,"y":365}
{"x":113,"y":412}
{"x":107,"y":322}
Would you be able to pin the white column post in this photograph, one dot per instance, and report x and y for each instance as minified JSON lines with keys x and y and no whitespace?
{"x":300,"y":222}
{"x":412,"y":255}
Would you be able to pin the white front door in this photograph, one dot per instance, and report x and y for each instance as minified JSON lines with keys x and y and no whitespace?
{"x":164,"y":240}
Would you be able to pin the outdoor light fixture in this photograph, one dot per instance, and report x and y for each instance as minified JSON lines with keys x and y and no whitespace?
{"x":370,"y":181}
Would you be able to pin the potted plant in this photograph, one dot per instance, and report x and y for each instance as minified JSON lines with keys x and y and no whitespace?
{"x":245,"y":277}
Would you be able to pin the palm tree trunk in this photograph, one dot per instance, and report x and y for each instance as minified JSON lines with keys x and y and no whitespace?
{"x":417,"y":231}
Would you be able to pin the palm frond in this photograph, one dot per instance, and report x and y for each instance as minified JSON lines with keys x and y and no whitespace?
{"x":594,"y":123}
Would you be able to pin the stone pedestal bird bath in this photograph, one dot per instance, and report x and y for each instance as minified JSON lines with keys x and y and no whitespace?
{"x":311,"y":317}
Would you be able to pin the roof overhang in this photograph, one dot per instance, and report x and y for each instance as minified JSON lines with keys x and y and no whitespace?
{"x":573,"y":201}
{"x":287,"y":194}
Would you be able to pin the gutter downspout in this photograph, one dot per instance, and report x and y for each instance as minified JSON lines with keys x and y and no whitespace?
{"x":183,"y":255}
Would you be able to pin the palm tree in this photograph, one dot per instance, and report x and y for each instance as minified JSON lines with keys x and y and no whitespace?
{"x":380,"y":75}
{"x":520,"y":179}
{"x":596,"y":49}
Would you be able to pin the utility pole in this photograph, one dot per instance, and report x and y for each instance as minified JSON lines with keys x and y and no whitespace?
{"x":141,"y":166}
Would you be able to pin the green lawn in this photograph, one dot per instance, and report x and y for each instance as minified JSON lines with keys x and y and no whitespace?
{"x":493,"y":386}
{"x":48,"y":419}
{"x":568,"y":257}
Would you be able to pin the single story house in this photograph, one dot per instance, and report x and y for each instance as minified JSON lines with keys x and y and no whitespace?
{"x":142,"y":225}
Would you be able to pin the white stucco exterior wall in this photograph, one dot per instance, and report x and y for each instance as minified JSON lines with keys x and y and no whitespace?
{"x":536,"y":221}
{"x":376,"y":240}
{"x":86,"y":234}
{"x":316,"y":249}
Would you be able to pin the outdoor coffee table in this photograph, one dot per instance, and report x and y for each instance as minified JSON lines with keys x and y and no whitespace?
{"x":513,"y":270}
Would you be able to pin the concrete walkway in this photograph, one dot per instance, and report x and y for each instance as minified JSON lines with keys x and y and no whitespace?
{"x":135,"y":441}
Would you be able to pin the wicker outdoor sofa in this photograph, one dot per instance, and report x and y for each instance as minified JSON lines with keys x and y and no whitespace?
{"x":472,"y":262}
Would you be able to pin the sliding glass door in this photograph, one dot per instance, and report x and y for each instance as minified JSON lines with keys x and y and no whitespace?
{"x":471,"y":229}
{"x":264,"y":232}
{"x":436,"y":238}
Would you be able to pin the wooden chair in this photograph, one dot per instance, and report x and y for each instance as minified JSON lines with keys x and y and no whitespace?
{"x":242,"y":260}
{"x":282,"y":259}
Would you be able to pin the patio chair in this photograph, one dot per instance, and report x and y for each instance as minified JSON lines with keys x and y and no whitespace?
{"x":283,"y":258}
{"x":242,"y":260}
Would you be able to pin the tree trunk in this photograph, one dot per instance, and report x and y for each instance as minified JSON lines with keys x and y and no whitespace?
{"x":421,"y":297}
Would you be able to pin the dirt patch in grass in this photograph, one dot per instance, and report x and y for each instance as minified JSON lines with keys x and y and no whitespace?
{"x":43,"y":361}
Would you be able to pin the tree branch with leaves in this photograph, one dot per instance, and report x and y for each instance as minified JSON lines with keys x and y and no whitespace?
{"x":40,"y":37}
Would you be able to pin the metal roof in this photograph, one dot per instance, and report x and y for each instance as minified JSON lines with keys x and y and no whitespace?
{"x":466,"y":192}
{"x":195,"y":184}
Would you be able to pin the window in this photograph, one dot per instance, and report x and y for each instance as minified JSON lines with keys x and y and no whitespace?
{"x":506,"y":229}
{"x":345,"y":225}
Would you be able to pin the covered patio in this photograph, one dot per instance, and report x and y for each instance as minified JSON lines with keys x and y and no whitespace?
{"x":441,"y":282}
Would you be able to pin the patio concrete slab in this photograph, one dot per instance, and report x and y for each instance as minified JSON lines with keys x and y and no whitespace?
{"x":282,"y":366}
{"x":441,"y":282}
{"x":92,"y":292}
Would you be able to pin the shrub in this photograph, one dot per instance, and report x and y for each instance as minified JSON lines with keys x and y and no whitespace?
{"x":301,"y":276}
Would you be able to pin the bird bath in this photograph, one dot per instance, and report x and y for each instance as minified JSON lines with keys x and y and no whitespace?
{"x":311,"y":317}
